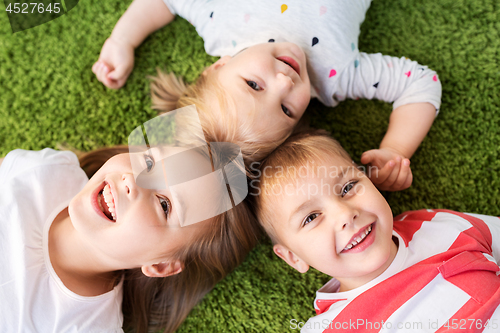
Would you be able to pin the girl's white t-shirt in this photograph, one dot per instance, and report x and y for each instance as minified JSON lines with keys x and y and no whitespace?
{"x":34,"y":187}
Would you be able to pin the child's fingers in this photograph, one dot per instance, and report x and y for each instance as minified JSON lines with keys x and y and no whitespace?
{"x":98,"y":70}
{"x":118,"y":73}
{"x":112,"y":84}
{"x":373,"y":157}
{"x":102,"y":74}
{"x":381,"y":175}
{"x":393,"y":176}
{"x":403,"y":180}
{"x":409,"y":180}
{"x":367,"y":157}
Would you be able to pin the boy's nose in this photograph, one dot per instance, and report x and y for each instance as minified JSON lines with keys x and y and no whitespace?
{"x":344,"y":216}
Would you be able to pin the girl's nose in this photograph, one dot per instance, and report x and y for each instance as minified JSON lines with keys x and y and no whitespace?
{"x":284,"y":83}
{"x":129,"y":185}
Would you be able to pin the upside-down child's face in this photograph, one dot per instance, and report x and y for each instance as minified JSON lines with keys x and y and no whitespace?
{"x":336,"y":222}
{"x":125,"y":225}
{"x":269,"y":86}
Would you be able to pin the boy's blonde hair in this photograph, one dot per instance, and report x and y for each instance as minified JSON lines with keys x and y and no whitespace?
{"x":280,"y":168}
{"x":220,"y":119}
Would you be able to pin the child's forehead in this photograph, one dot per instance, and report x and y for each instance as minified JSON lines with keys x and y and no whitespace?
{"x":328,"y":166}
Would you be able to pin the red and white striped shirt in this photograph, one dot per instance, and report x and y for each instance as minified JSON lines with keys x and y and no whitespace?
{"x":443,"y":279}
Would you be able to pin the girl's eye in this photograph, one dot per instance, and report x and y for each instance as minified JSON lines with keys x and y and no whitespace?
{"x":309,"y":219}
{"x":254,"y":85}
{"x":286,"y":111}
{"x":347,"y":187}
{"x":165,"y":205}
{"x":150,"y":162}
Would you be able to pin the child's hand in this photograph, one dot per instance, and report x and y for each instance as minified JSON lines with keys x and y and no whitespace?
{"x":115,"y":63}
{"x":392,"y":171}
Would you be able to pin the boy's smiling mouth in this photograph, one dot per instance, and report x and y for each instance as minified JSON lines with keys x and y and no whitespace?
{"x":357,"y":242}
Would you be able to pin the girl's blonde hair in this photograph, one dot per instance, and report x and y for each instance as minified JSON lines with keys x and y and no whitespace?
{"x":284,"y":166}
{"x":169,"y":92}
{"x":162,"y":304}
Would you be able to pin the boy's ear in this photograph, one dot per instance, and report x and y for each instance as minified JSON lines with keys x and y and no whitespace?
{"x":291,"y":258}
{"x":219,"y":63}
{"x":163,"y":269}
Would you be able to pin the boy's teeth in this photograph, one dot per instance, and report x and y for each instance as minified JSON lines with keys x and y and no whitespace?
{"x":358,"y":239}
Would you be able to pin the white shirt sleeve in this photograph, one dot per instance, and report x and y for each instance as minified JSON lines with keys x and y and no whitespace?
{"x":191,"y":10}
{"x":20,"y":160}
{"x":389,"y":79}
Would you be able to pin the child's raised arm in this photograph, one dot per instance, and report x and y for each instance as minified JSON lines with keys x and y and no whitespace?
{"x":416,"y":93}
{"x":116,"y":60}
{"x":408,"y":126}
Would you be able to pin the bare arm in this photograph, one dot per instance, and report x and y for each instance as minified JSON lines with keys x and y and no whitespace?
{"x":142,"y":18}
{"x":1,"y":160}
{"x":408,"y":126}
{"x":416,"y":93}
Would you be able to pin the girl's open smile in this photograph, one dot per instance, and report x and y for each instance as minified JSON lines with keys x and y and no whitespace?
{"x":103,"y":202}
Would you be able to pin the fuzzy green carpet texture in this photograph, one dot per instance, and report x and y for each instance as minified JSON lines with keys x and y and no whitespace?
{"x":49,"y":96}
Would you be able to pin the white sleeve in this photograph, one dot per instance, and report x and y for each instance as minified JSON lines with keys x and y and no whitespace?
{"x":20,"y":160}
{"x":170,"y":6}
{"x":493,"y":224}
{"x":187,"y":9}
{"x":390,"y":79}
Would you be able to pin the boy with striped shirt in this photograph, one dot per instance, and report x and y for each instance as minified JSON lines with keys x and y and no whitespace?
{"x":425,"y":271}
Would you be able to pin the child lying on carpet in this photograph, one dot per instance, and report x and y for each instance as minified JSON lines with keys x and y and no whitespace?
{"x":435,"y":269}
{"x":261,"y":84}
{"x":74,"y":248}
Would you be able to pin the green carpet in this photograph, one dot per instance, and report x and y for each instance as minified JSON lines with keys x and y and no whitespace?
{"x":48,"y":96}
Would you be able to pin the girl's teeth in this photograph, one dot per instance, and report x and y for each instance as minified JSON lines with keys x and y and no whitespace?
{"x":108,"y":198}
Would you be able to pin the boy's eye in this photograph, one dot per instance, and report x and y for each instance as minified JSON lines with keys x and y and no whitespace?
{"x":286,"y":111}
{"x":254,"y":85}
{"x":347,"y":187}
{"x":150,"y":162}
{"x":309,"y":219}
{"x":165,"y":205}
